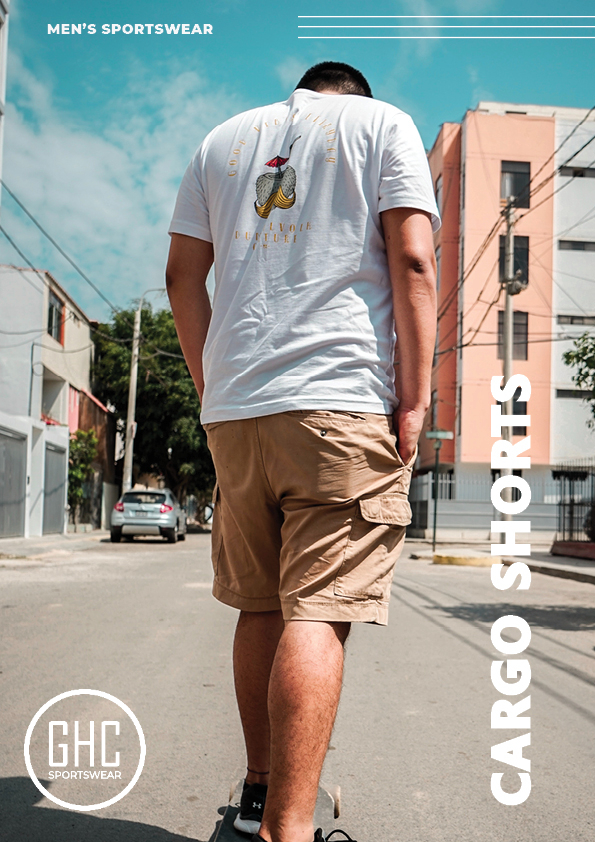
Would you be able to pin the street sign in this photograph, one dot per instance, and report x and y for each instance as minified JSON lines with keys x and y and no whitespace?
{"x":440,"y":434}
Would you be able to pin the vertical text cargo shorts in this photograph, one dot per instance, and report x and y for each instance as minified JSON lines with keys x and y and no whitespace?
{"x":310,"y":514}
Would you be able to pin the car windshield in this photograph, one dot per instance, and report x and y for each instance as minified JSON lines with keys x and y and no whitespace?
{"x":143,"y":497}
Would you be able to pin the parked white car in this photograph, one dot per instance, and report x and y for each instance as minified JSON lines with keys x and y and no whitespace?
{"x":151,"y":512}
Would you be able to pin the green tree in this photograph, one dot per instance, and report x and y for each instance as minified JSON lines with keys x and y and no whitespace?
{"x":82,"y":453}
{"x":582,"y":358}
{"x":169,"y":440}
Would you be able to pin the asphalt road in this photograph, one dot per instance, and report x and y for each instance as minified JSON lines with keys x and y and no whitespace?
{"x":411,"y":748}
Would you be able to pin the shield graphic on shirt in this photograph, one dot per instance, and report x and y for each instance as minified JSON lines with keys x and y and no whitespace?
{"x":275,"y":190}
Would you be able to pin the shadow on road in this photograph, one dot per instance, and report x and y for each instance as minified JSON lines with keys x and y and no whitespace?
{"x":21,"y":820}
{"x":560,"y":617}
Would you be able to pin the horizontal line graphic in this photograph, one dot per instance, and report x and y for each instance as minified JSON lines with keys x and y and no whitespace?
{"x":432,"y":26}
{"x":449,"y":27}
{"x":446,"y":17}
{"x":456,"y":37}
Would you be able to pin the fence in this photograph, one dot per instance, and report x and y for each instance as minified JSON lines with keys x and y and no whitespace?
{"x":465,"y":500}
{"x":475,"y":487}
{"x":576,"y":504}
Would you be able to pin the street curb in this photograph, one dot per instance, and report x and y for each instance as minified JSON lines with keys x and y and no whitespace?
{"x":558,"y":572}
{"x":535,"y":567}
{"x":470,"y":559}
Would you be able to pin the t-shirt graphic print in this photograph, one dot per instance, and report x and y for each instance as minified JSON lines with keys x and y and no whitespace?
{"x":290,"y":195}
{"x":276,"y":189}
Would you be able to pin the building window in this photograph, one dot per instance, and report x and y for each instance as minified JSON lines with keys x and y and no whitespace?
{"x":438,"y":256}
{"x":439,"y":193}
{"x":436,"y":348}
{"x":55,"y":317}
{"x":520,"y":335}
{"x":521,"y":258}
{"x":434,"y":410}
{"x":576,"y":245}
{"x":515,"y":178}
{"x":576,"y":320}
{"x":585,"y":394}
{"x":578,"y":172}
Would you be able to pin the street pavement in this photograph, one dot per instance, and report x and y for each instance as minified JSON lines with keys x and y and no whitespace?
{"x":411,"y":747}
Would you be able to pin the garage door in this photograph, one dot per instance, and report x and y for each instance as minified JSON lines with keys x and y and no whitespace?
{"x":13,"y":477}
{"x":54,"y":493}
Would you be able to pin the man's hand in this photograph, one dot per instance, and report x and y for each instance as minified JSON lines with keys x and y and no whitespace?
{"x":408,"y":424}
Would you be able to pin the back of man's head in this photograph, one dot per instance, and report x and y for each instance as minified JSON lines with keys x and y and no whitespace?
{"x":334,"y":76}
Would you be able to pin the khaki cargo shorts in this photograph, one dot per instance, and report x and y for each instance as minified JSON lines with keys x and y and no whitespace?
{"x":310,"y":514}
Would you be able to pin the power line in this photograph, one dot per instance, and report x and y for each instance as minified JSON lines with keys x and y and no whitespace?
{"x":23,"y":256}
{"x":567,"y":138}
{"x":451,"y":296}
{"x":59,"y":248}
{"x":45,"y":282}
{"x":491,"y":234}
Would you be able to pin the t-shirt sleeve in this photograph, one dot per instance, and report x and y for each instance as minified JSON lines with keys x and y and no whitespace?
{"x":405,"y":179}
{"x":191,"y":213}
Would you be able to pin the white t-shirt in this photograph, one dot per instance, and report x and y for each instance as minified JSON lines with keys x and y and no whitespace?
{"x":290,"y":195}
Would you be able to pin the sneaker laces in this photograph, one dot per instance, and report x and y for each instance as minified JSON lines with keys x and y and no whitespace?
{"x":346,"y":835}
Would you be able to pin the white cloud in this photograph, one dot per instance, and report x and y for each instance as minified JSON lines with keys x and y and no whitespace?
{"x":290,"y":71}
{"x":478,"y":91}
{"x":106,"y":196}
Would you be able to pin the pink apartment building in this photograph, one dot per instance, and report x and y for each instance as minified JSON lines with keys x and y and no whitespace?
{"x":544,"y":156}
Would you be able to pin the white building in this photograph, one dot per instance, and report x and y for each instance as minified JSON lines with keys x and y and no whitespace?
{"x":573,"y":293}
{"x":45,"y":358}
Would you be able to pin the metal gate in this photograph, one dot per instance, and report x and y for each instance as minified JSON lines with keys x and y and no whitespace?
{"x":13,"y":483}
{"x":54,"y":489}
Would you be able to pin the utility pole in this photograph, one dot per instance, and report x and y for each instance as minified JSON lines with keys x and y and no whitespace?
{"x":130,"y":418}
{"x":130,"y":421}
{"x":512,"y":286}
{"x":439,"y":436}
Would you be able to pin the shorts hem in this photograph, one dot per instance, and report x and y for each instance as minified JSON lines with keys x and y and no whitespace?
{"x":352,"y":611}
{"x":245,"y":603}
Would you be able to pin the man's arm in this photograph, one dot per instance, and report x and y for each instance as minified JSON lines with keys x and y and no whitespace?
{"x":412,"y":268}
{"x":187,"y":268}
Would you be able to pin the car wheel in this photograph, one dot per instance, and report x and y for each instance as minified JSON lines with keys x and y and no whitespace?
{"x":115,"y":536}
{"x":170,"y":534}
{"x":181,"y":535}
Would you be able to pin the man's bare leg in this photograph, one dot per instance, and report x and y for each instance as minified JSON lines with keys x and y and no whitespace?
{"x":255,"y":643}
{"x":304,"y":690}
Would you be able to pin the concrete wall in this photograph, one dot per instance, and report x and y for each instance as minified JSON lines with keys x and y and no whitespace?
{"x":38,"y":435}
{"x":22,"y":326}
{"x":35,"y":373}
{"x":66,"y":362}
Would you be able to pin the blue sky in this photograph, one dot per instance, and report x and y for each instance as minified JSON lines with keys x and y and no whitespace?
{"x":99,"y":128}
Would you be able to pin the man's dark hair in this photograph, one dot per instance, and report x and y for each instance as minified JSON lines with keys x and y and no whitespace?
{"x":336,"y":76}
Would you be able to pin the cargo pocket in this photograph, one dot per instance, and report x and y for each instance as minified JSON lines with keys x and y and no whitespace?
{"x":377,"y":533}
{"x":216,"y":531}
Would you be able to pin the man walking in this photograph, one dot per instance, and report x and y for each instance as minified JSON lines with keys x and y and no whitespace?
{"x":318,"y":213}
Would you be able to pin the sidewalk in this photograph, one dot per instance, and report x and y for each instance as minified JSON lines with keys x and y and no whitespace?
{"x":49,"y":545}
{"x":540,"y":560}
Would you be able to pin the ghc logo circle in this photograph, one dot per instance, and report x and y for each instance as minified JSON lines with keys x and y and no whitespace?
{"x":82,"y":733}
